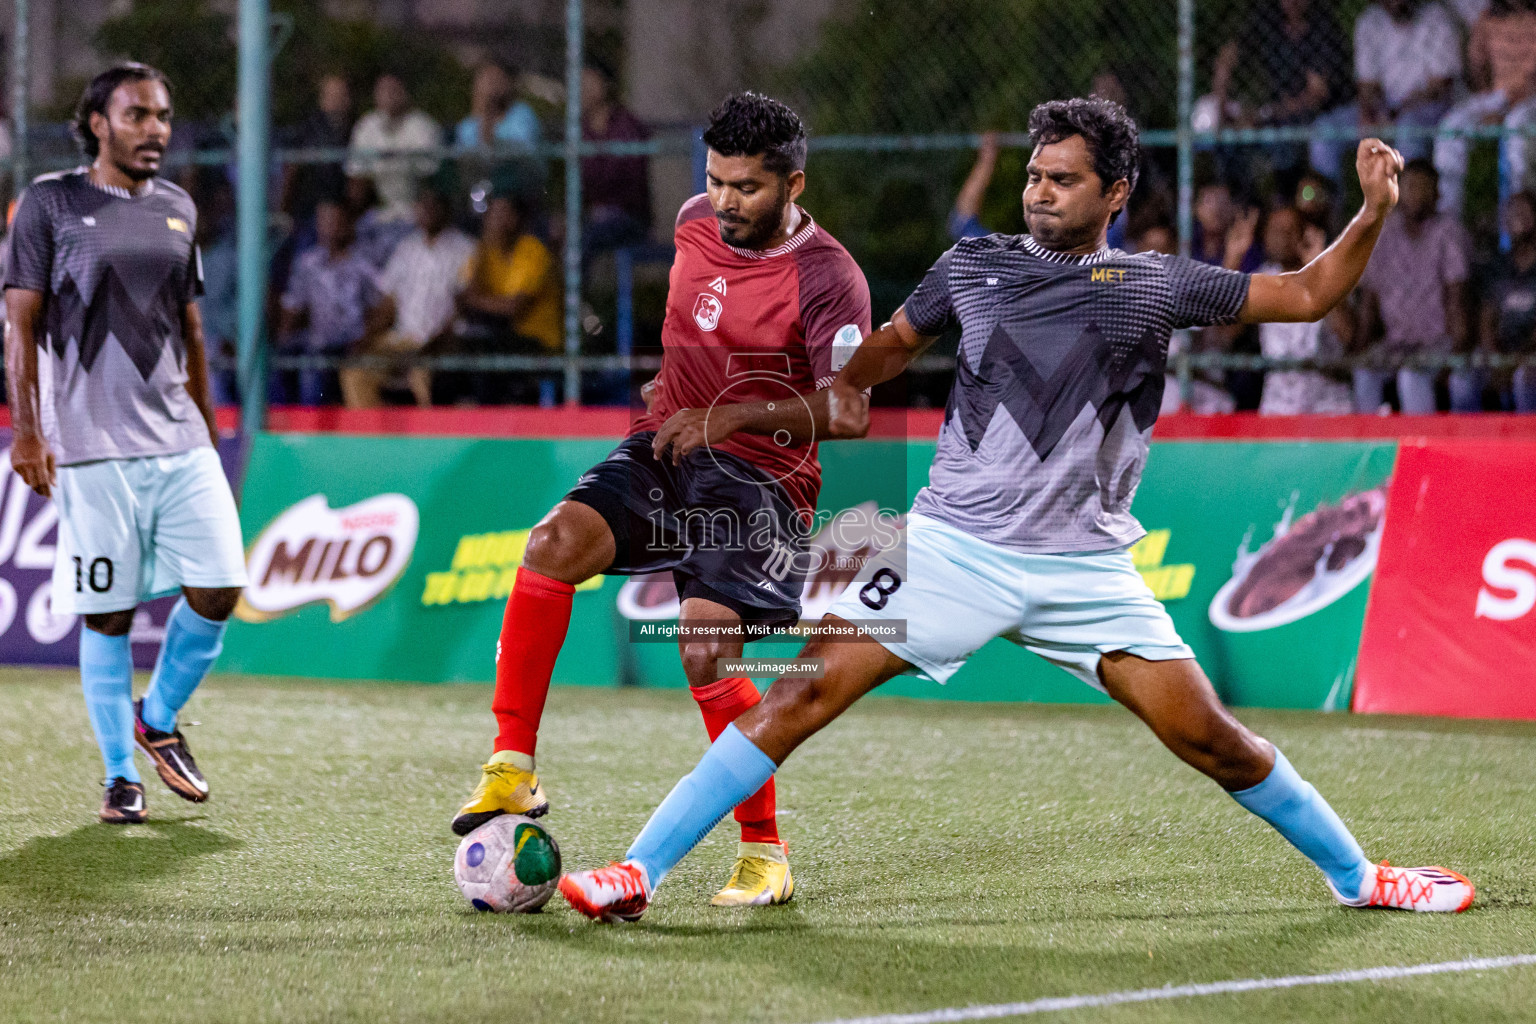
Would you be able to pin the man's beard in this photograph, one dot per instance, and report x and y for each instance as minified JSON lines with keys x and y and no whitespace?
{"x":758,"y":233}
{"x":133,"y":172}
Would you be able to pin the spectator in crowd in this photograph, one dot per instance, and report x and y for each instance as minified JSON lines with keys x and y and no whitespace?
{"x":1317,"y":202}
{"x":615,"y":189}
{"x":328,"y":126}
{"x":496,"y":116}
{"x":1508,"y":321}
{"x":331,"y":294}
{"x":416,"y":310}
{"x":1157,"y":236}
{"x":510,"y":303}
{"x":392,"y":145}
{"x":965,"y":216}
{"x":375,"y":232}
{"x":219,"y":304}
{"x":1225,"y":231}
{"x":1501,"y":66}
{"x":498,"y":119}
{"x":1413,"y":292}
{"x":1287,"y":64}
{"x":1290,"y":243}
{"x":1407,"y":60}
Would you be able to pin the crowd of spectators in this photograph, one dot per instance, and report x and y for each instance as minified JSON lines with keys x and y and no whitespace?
{"x":1444,"y":278}
{"x":392,"y":251}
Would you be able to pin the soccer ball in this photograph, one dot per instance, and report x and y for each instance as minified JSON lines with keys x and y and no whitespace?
{"x":511,"y":865}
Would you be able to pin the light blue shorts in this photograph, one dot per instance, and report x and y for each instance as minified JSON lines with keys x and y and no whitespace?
{"x":132,"y":529}
{"x":956,"y":592}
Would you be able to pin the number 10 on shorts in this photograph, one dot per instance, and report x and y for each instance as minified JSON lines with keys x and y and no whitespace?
{"x":98,"y":575}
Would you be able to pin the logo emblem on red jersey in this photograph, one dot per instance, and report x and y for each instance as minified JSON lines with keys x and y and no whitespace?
{"x":706,"y":311}
{"x":718,"y":285}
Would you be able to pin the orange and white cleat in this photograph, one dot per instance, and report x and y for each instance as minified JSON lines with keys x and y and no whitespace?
{"x":1427,"y":890}
{"x":618,"y":892}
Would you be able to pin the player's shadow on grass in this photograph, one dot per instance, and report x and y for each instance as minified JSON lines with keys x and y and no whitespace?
{"x":100,"y":862}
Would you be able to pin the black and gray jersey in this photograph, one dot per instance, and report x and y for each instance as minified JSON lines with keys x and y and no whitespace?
{"x":116,"y":270}
{"x":1058,"y":382}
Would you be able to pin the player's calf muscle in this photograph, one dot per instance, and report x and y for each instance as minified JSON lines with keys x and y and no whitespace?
{"x":1180,"y":706}
{"x":795,"y":709}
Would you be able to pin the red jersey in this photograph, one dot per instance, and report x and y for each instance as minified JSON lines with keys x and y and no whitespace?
{"x":744,"y":325}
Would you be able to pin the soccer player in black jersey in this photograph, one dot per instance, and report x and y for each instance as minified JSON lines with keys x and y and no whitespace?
{"x":1024,"y":529}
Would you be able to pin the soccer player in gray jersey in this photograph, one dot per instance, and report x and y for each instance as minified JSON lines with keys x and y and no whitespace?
{"x":108,"y":386}
{"x":1024,"y":528}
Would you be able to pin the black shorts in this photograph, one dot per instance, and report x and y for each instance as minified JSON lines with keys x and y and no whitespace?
{"x":726,"y":530}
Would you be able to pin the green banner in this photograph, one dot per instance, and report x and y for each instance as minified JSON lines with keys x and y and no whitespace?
{"x":391,"y":558}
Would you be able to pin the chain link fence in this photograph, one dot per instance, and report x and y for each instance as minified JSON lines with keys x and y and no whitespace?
{"x":918,"y":112}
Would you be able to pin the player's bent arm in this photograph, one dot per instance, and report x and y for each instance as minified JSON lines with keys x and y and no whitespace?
{"x":882,"y":356}
{"x":840,"y":411}
{"x":197,"y":368}
{"x":1308,"y":294}
{"x":30,"y":455}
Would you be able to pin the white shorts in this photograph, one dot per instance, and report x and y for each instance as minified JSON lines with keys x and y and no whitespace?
{"x":132,"y":529}
{"x":956,"y":592}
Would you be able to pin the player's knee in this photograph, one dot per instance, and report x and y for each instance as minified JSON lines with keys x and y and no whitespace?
{"x":216,"y":604}
{"x":110,"y":623}
{"x":558,"y":550}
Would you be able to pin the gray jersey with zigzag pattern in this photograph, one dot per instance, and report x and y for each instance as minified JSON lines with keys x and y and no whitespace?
{"x":1058,"y":381}
{"x":116,"y":271}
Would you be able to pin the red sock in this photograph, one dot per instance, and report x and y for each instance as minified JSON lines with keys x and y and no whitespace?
{"x":722,"y":703}
{"x":538,"y":614}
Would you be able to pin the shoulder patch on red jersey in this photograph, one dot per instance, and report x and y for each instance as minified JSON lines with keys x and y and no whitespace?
{"x":696,"y":208}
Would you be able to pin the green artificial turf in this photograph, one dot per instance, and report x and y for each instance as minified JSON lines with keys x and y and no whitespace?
{"x":946,"y":855}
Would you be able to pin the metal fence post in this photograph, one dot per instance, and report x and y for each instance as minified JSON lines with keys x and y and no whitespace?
{"x":573,"y":275}
{"x":20,"y":97}
{"x":1186,"y":141}
{"x":255,"y":85}
{"x":1186,"y":136}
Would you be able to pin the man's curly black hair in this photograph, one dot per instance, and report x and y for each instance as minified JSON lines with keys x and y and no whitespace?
{"x":748,"y":124}
{"x":1111,"y":135}
{"x":99,"y":93}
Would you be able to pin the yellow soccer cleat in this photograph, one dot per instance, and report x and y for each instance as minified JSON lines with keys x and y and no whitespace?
{"x":760,"y":878}
{"x":508,"y":785}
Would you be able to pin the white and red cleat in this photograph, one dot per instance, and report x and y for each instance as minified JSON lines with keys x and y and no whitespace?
{"x":1429,"y":890}
{"x":618,"y":892}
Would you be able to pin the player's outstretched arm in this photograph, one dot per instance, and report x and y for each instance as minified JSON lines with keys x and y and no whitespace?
{"x":30,"y":455}
{"x":197,"y":368}
{"x":1308,"y":294}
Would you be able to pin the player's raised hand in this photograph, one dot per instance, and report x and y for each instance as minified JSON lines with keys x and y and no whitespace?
{"x":32,"y":460}
{"x":1378,"y":165}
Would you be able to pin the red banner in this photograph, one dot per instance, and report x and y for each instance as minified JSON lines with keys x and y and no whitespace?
{"x":1451,"y":625}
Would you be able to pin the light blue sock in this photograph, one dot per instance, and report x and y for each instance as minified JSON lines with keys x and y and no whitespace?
{"x":731,"y":770}
{"x":1294,"y":808}
{"x":106,"y":675}
{"x":192,"y":644}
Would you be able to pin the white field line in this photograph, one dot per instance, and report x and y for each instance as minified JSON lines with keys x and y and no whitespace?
{"x":996,"y":1011}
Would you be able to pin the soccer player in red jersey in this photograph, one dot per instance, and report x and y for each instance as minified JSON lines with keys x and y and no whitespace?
{"x":718,"y":479}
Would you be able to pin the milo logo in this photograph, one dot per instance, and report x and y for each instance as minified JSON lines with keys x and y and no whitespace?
{"x":346,"y":557}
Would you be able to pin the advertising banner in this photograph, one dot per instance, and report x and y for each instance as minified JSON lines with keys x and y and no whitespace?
{"x":30,"y":634}
{"x":1451,"y":628}
{"x":391,"y":558}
